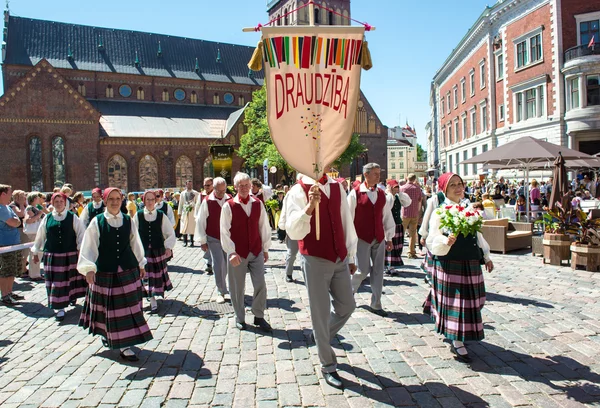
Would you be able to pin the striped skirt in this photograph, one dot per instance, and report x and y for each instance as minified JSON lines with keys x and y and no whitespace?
{"x":427,"y":265}
{"x":394,"y":257}
{"x":63,"y":283}
{"x":456,"y":298}
{"x":113,"y":309}
{"x":156,"y":273}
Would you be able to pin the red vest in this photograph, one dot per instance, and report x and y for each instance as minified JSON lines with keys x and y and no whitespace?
{"x":245,"y":231}
{"x":368,"y":217}
{"x":332,"y":244}
{"x":213,"y":221}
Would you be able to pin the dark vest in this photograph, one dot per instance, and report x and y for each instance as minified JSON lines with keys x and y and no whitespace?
{"x":213,"y":221}
{"x":92,"y":212}
{"x":60,"y":235}
{"x":464,"y":249}
{"x":165,"y":208}
{"x":397,"y":210}
{"x":114,"y":249}
{"x":245,"y":231}
{"x":368,"y":217}
{"x":151,"y":232}
{"x":332,"y":244}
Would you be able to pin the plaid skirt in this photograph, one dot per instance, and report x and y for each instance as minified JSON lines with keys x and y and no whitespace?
{"x":456,"y":298}
{"x":156,"y":273}
{"x":63,"y":283}
{"x":394,"y":257}
{"x":427,"y":265}
{"x":113,"y":309}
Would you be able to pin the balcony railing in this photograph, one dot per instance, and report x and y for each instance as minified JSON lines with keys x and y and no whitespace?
{"x":581,"y":51}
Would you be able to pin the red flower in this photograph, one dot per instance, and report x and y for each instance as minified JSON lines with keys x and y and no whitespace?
{"x":448,"y":207}
{"x":461,"y":209}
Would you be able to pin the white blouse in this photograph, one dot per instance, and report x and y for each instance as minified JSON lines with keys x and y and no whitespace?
{"x":85,"y":215}
{"x":437,"y":242}
{"x":167,"y":229}
{"x":170,"y":215}
{"x":40,"y":238}
{"x":88,"y":254}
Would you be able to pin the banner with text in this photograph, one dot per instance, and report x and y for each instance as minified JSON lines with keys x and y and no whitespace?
{"x":222,"y":161}
{"x":313,"y":85}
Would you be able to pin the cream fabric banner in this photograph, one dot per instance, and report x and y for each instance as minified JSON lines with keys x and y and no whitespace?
{"x":313,"y":85}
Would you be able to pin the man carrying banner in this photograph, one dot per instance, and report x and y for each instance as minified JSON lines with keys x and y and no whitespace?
{"x":374,"y":224}
{"x":187,"y":203}
{"x":327,"y":262}
{"x":246,"y":239}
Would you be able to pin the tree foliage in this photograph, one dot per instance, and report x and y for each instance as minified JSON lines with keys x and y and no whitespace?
{"x":354,"y":149}
{"x":420,"y":153}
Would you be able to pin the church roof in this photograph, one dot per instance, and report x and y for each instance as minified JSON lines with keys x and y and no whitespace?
{"x":162,"y":120}
{"x":75,"y":46}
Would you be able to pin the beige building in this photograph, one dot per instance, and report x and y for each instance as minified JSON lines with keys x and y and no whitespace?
{"x":402,"y":154}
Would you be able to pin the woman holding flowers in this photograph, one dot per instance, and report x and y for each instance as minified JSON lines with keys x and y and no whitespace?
{"x":457,"y":292}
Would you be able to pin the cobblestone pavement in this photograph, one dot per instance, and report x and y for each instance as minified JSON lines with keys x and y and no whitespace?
{"x":542,"y":347}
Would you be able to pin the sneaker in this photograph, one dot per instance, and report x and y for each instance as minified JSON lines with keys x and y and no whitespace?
{"x":227,"y":297}
{"x":9,"y":301}
{"x":220,"y":299}
{"x":16,"y":297}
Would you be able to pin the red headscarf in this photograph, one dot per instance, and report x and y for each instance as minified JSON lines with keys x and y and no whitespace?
{"x":393,"y":183}
{"x":154,"y":193}
{"x":444,"y":179}
{"x":59,"y":194}
{"x":109,"y":190}
{"x":159,"y":192}
{"x":97,"y":190}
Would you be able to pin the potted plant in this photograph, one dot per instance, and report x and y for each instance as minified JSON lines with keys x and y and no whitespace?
{"x":585,"y":251}
{"x":556,"y":240}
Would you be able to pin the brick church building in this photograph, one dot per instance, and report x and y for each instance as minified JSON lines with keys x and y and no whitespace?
{"x":135,"y":110}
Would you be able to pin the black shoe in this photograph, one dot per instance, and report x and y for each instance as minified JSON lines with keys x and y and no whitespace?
{"x":154,"y":311}
{"x":334,"y":380}
{"x":73,"y":302}
{"x":16,"y":297}
{"x":241,"y":325}
{"x":129,"y":358}
{"x":465,"y":358}
{"x":263,"y":324}
{"x":8,"y":301}
{"x":289,"y":279}
{"x":379,"y":312}
{"x":105,"y":343}
{"x":192,"y":245}
{"x":312,"y":338}
{"x":209,"y":270}
{"x":185,"y":244}
{"x":60,"y":317}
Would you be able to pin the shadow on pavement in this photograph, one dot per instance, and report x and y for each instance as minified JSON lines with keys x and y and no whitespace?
{"x":280,"y":303}
{"x":392,"y":282}
{"x":22,"y":285}
{"x":556,"y":372}
{"x":496,"y":297}
{"x":183,"y":269}
{"x":31,"y":309}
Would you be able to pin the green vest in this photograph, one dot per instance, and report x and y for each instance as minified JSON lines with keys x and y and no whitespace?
{"x":60,"y":235}
{"x":114,"y":249}
{"x":92,"y":212}
{"x":151,"y":232}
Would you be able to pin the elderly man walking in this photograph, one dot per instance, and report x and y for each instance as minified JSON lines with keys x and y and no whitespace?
{"x":410,"y":213}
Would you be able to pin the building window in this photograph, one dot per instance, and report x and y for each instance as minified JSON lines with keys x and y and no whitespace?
{"x":593,"y":90}
{"x":140,"y":93}
{"x":393,"y":155}
{"x":443,"y":107}
{"x":457,"y":171}
{"x":148,"y":171}
{"x":450,"y":162}
{"x":528,"y":49}
{"x":500,"y":66}
{"x":194,"y":97}
{"x":463,"y":90}
{"x":474,"y":165}
{"x":125,"y":91}
{"x":472,"y":82}
{"x":574,"y":93}
{"x":500,"y":113}
{"x":456,"y":130}
{"x":401,"y":165}
{"x":165,"y":95}
{"x":464,"y":126}
{"x":482,"y":75}
{"x":179,"y":94}
{"x":444,"y":141}
{"x":455,"y":92}
{"x":183,"y":171}
{"x":473,"y":122}
{"x":465,"y":166}
{"x":35,"y":164}
{"x":109,"y":91}
{"x":484,"y":118}
{"x":401,"y":154}
{"x":587,"y":30}
{"x":330,"y":16}
{"x":81,"y":89}
{"x":530,"y":103}
{"x":393,"y":166}
{"x":448,"y":102}
{"x":346,"y":17}
{"x":117,"y":172}
{"x":449,"y":134}
{"x":241,"y":100}
{"x":216,"y":99}
{"x":58,"y":161}
{"x":484,"y":148}
{"x":361,"y":124}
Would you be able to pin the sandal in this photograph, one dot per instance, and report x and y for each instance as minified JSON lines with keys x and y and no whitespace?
{"x":465,"y":358}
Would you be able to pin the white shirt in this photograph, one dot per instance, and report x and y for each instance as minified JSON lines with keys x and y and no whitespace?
{"x":283,"y":215}
{"x":389,"y":226}
{"x":437,"y":242}
{"x":404,"y":198}
{"x":432,"y":204}
{"x":167,"y":229}
{"x":170,"y":215}
{"x":203,"y":213}
{"x":297,"y":223}
{"x":40,"y":238}
{"x":263,"y":225}
{"x":85,"y":215}
{"x":183,"y":201}
{"x":89,"y":251}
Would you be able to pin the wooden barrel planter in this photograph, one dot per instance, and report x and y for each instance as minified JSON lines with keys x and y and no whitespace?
{"x":556,"y":248}
{"x":585,"y":255}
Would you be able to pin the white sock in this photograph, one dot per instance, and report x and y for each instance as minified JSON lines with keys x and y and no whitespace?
{"x":153,"y":303}
{"x":457,"y":345}
{"x":127,"y":351}
{"x":60,"y":312}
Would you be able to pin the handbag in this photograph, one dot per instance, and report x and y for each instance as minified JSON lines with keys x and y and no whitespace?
{"x":31,"y":228}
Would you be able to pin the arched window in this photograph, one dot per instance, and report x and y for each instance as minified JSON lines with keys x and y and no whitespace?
{"x":331,"y":18}
{"x":183,"y":171}
{"x":301,"y":17}
{"x":58,"y":161}
{"x":140,"y":93}
{"x":216,"y":99}
{"x":317,"y":10}
{"x":35,"y":164}
{"x":117,"y":172}
{"x":194,"y":97}
{"x":360,"y":122}
{"x":241,"y":100}
{"x":148,"y":171}
{"x":372,"y":128}
{"x":165,"y":95}
{"x":209,"y":170}
{"x":338,"y":17}
{"x":241,"y":130}
{"x":323,"y":14}
{"x":286,"y":19}
{"x":109,"y":91}
{"x":81,"y":88}
{"x":346,"y":20}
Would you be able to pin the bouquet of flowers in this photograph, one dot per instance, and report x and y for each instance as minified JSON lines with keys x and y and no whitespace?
{"x":456,"y":219}
{"x":188,"y":207}
{"x":272,"y":205}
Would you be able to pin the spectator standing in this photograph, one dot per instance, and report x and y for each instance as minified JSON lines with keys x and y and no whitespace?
{"x":11,"y":263}
{"x":410,"y":213}
{"x":18,"y":205}
{"x":132,"y":208}
{"x":33,"y":219}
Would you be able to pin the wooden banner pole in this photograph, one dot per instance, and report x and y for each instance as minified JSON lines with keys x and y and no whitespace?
{"x":311,"y":22}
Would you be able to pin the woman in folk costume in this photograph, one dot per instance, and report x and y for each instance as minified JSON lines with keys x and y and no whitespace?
{"x":112,"y":260}
{"x":59,"y":238}
{"x":158,"y":239}
{"x":457,"y":292}
{"x":397,"y":199}
{"x":93,"y":208}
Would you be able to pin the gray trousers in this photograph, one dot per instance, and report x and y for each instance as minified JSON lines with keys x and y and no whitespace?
{"x":365,"y":254}
{"x":218,"y":262}
{"x":324,"y":279}
{"x":290,"y":256}
{"x":208,"y":257}
{"x":237,"y":285}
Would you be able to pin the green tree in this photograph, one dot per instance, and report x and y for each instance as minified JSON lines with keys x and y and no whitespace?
{"x":420,"y":153}
{"x":354,"y":149}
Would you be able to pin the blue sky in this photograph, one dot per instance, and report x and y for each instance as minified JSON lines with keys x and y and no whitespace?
{"x":412,"y":38}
